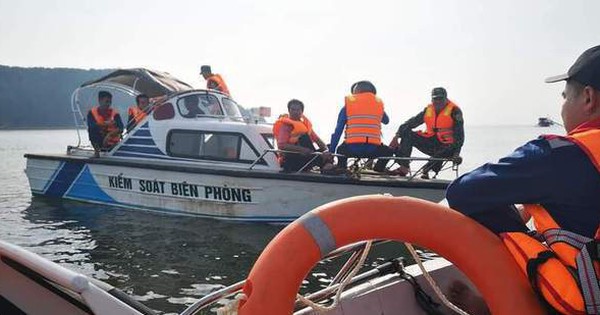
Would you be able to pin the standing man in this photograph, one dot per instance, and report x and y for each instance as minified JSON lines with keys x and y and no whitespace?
{"x":361,"y":116}
{"x":104,"y":124}
{"x":138,"y":112}
{"x":557,"y":179}
{"x":214,"y":81}
{"x":293,"y":132}
{"x":443,"y":137}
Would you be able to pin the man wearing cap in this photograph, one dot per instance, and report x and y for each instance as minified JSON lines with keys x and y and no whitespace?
{"x":214,"y":81}
{"x":442,"y":138}
{"x":361,"y":117}
{"x":554,"y":177}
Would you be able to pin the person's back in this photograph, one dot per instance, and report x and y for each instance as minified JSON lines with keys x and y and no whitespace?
{"x":361,"y":119}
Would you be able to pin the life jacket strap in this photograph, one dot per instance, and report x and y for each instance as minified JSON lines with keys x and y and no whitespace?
{"x":588,"y":278}
{"x":559,"y":235}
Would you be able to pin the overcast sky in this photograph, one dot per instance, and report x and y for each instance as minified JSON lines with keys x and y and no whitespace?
{"x":492,"y":56}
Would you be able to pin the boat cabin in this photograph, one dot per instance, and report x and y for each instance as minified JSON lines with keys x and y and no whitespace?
{"x":183,"y":124}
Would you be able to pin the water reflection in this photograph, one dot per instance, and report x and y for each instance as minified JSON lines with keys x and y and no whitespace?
{"x":164,"y":260}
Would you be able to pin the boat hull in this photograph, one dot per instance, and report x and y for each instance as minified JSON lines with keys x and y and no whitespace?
{"x":245,"y":195}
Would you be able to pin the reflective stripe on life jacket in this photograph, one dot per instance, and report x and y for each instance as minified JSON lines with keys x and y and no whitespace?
{"x":219,"y":82}
{"x":441,"y":125}
{"x":137,"y":114}
{"x":565,"y":268}
{"x":364,"y":112}
{"x":107,"y":126}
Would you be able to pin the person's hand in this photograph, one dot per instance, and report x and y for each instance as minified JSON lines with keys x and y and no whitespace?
{"x":327,"y":157}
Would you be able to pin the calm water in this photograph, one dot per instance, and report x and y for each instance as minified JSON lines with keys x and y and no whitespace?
{"x":165,"y":261}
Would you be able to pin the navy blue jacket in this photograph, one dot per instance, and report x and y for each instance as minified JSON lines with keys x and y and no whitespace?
{"x":555,"y":173}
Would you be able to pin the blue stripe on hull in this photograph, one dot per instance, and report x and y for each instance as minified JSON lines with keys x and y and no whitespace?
{"x":62,"y":181}
{"x":85,"y":187}
{"x":141,"y":141}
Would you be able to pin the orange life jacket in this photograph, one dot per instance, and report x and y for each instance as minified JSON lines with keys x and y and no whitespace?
{"x":299,"y":128}
{"x":219,"y":82}
{"x":561,"y":265}
{"x":137,"y":114}
{"x":364,"y":112}
{"x":107,"y":126}
{"x":441,"y":125}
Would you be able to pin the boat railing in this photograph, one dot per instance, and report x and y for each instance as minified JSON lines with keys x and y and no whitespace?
{"x":314,"y":155}
{"x":356,"y":250}
{"x":454,"y":161}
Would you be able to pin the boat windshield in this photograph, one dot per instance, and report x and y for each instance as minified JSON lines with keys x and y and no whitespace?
{"x":195,"y":105}
{"x":231,"y":108}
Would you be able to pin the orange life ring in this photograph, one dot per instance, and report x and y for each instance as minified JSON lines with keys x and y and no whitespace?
{"x":274,"y":280}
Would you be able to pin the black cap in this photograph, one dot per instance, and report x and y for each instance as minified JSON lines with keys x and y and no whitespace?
{"x":439,"y":92}
{"x":205,"y":69}
{"x":363,"y":87}
{"x":585,"y":70}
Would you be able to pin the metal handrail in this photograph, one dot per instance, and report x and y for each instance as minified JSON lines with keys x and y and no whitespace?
{"x":275,"y":151}
{"x":236,"y":287}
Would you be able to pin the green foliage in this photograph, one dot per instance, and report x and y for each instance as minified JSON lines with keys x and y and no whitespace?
{"x":40,"y":97}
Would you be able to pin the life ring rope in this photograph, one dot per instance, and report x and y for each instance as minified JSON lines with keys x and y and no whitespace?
{"x":273,"y":282}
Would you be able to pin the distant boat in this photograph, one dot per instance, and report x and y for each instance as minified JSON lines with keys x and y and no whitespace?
{"x":545,"y":122}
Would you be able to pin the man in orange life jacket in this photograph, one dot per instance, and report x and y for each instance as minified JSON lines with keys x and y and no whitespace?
{"x":214,"y":81}
{"x":293,"y":132}
{"x":104,"y":124}
{"x":557,"y":178}
{"x":361,"y":117}
{"x":137,"y":112}
{"x":443,"y":137}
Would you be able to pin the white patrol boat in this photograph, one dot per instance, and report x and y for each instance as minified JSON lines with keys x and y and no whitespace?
{"x":195,"y":153}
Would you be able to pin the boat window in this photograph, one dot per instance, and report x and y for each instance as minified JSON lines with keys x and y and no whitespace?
{"x":205,"y":145}
{"x":246,"y":152}
{"x":270,"y":139}
{"x":164,"y":111}
{"x":231,"y":108}
{"x":195,"y":105}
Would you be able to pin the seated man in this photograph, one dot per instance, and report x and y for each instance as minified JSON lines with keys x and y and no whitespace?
{"x":361,"y":116}
{"x":190,"y":104}
{"x":138,"y":112}
{"x":293,"y":132}
{"x":104,"y":124}
{"x":443,"y":137}
{"x":557,"y":179}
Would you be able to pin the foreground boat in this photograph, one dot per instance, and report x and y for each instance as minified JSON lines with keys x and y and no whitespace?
{"x":329,"y":231}
{"x":209,"y":160}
